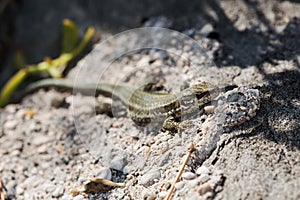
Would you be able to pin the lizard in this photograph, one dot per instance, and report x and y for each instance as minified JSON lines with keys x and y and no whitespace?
{"x":144,"y":106}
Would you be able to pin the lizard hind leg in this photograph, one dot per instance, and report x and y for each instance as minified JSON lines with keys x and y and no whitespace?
{"x":171,"y":124}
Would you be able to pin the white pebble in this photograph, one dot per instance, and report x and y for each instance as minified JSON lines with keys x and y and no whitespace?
{"x":79,"y":197}
{"x":188,"y":175}
{"x":202,"y":170}
{"x":149,"y":178}
{"x":179,"y":185}
{"x":162,"y":194}
{"x":11,"y":108}
{"x":209,"y":109}
{"x":19,"y":190}
{"x":12,"y":124}
{"x":204,"y":188}
{"x":192,"y":183}
{"x":204,"y":178}
{"x":40,"y":139}
{"x":58,"y":192}
{"x":21,"y":114}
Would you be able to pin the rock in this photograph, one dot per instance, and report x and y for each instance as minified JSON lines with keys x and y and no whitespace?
{"x":204,"y":188}
{"x":42,"y":149}
{"x":192,"y":183}
{"x":78,"y":197}
{"x":104,"y":173}
{"x":202,"y":170}
{"x":34,"y":170}
{"x":188,"y":175}
{"x":32,"y":181}
{"x":40,"y":139}
{"x":11,"y":124}
{"x":28,"y":195}
{"x":206,"y":29}
{"x":148,"y":178}
{"x":19,"y":190}
{"x":21,"y":114}
{"x":179,"y":185}
{"x":68,"y":197}
{"x":134,"y":133}
{"x":204,"y":178}
{"x":209,"y":109}
{"x":152,"y":197}
{"x":128,"y":169}
{"x":50,"y":188}
{"x":10,"y":186}
{"x":118,"y":163}
{"x":18,"y":145}
{"x":162,"y":194}
{"x":58,"y":192}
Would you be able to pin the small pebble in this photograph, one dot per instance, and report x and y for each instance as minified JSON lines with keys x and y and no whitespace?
{"x":204,"y":178}
{"x":68,"y":197}
{"x":151,"y":197}
{"x":15,"y":153}
{"x":148,"y":178}
{"x":21,"y":114}
{"x":104,"y":173}
{"x":128,"y":169}
{"x":58,"y":192}
{"x":162,"y":194}
{"x":118,"y":163}
{"x":11,"y":124}
{"x":209,"y":109}
{"x":204,"y":188}
{"x":42,"y":149}
{"x":202,"y":170}
{"x":10,"y":186}
{"x":11,"y":108}
{"x":32,"y":181}
{"x":19,"y":190}
{"x":134,"y":133}
{"x":18,"y":145}
{"x":34,"y":170}
{"x":126,"y":198}
{"x":78,"y":197}
{"x":40,"y":139}
{"x":179,"y":185}
{"x":188,"y":175}
{"x":206,"y":29}
{"x":192,"y":183}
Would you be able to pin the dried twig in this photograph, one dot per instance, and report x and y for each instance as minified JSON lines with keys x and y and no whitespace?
{"x":191,"y":149}
{"x":97,"y":185}
{"x":2,"y":191}
{"x":107,"y":182}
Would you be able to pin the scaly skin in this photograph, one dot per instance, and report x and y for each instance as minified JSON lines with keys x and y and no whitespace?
{"x":144,"y":106}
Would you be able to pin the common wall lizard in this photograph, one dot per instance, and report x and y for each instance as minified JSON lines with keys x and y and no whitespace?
{"x":144,"y":106}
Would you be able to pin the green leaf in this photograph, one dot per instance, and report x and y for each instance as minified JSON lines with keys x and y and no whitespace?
{"x":69,"y":36}
{"x":53,"y":66}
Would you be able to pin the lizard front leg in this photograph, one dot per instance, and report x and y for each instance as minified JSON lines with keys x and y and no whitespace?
{"x":171,"y":124}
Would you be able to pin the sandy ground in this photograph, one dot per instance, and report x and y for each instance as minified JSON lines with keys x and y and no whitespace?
{"x":53,"y":141}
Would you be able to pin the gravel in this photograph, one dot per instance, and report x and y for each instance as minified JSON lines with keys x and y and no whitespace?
{"x":47,"y":150}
